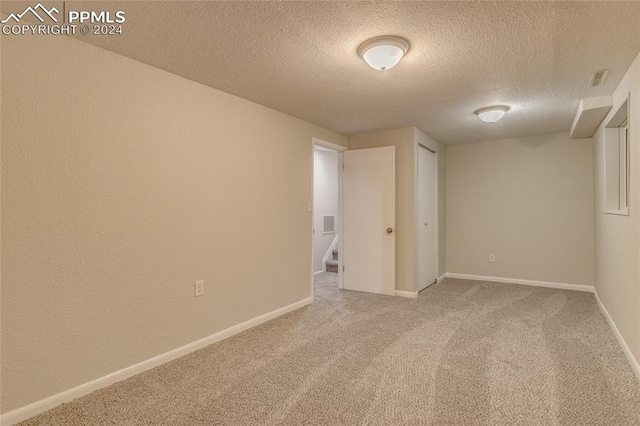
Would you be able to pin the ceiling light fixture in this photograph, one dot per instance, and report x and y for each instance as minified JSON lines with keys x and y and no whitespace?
{"x":492,"y":114}
{"x":383,"y":53}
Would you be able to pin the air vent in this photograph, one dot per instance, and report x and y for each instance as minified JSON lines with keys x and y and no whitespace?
{"x":598,"y":78}
{"x":329,"y":224}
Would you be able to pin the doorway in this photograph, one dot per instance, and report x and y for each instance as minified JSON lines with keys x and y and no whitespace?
{"x":427,"y":227}
{"x":361,"y":232}
{"x":326,"y":212}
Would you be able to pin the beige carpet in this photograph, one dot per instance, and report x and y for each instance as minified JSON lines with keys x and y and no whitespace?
{"x":464,"y":352}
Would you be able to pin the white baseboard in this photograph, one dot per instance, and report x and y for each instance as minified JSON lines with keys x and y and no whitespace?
{"x":319,"y":272}
{"x":410,"y":294}
{"x":442,"y":277}
{"x":46,"y":404}
{"x":562,"y":286}
{"x":625,"y":348}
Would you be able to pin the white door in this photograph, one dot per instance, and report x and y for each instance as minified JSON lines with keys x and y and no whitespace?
{"x":427,"y":243}
{"x":369,"y":220}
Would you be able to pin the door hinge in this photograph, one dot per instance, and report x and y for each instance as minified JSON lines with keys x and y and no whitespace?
{"x":343,"y":269}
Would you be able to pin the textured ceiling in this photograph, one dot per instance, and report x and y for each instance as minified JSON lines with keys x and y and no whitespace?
{"x":300,"y":58}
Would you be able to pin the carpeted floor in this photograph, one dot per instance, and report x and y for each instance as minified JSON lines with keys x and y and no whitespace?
{"x":464,"y":352}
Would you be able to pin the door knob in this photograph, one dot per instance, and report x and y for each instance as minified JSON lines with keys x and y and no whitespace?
{"x":389,"y":230}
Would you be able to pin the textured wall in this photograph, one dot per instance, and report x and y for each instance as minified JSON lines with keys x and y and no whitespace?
{"x":405,"y":140}
{"x":527,"y":200}
{"x":617,"y":238}
{"x":121,"y":185}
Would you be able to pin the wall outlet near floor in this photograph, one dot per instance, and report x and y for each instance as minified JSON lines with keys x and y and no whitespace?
{"x":492,"y":257}
{"x":199,"y":288}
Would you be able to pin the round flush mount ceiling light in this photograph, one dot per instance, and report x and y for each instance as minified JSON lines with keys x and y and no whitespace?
{"x":383,"y":53}
{"x":492,"y":114}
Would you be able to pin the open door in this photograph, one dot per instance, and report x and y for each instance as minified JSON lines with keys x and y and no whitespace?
{"x":369,"y":223}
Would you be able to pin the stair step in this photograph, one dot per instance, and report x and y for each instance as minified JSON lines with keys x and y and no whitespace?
{"x":332,"y":265}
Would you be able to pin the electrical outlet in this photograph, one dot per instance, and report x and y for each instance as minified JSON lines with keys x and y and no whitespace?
{"x":199,"y":288}
{"x":492,"y":257}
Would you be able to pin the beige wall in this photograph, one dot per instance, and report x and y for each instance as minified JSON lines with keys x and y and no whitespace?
{"x":528,"y":201}
{"x":405,"y":140}
{"x":617,"y":238}
{"x":121,"y":185}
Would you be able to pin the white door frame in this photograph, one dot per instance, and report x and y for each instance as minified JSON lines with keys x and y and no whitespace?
{"x":340,"y":149}
{"x":417,"y":213}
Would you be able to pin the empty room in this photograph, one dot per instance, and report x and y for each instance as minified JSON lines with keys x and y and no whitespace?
{"x":320,"y":213}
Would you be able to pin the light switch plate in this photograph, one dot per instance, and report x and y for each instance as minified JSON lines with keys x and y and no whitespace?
{"x":199,"y":288}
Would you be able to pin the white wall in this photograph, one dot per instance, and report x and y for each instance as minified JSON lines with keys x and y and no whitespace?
{"x":325,"y":202}
{"x":528,"y":201}
{"x":617,"y":238}
{"x":121,"y":185}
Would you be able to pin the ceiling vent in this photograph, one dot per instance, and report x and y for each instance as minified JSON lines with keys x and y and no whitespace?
{"x":598,"y":78}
